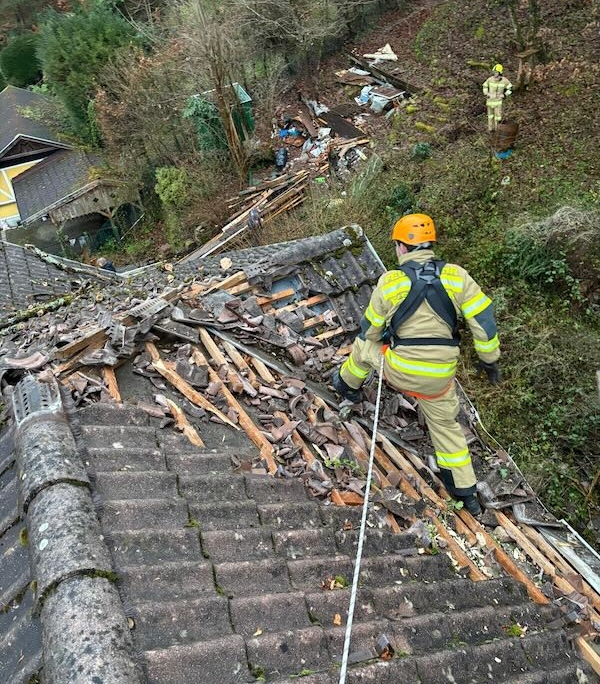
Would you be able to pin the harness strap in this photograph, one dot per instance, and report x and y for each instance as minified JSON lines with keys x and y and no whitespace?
{"x":425,"y":285}
{"x":422,"y":341}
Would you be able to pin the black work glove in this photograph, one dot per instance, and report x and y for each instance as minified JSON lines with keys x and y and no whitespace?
{"x":344,"y":389}
{"x":492,"y":370}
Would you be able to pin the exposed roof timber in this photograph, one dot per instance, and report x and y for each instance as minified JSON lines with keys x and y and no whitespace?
{"x":53,"y":143}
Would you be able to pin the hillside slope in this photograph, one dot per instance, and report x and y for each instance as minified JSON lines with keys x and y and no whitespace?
{"x":498,"y":217}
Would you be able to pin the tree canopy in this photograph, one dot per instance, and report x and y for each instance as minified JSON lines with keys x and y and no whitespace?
{"x":72,"y":48}
{"x":18,"y":61}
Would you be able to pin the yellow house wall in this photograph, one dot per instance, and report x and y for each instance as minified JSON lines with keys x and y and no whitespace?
{"x":8,"y":205}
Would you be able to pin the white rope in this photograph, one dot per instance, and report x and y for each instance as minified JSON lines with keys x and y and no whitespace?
{"x":361,"y":537}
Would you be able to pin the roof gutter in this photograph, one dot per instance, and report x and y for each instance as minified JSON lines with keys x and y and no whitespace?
{"x":85,"y":634}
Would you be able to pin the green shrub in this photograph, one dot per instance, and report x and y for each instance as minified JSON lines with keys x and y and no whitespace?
{"x":421,"y":150}
{"x":172,"y":186}
{"x":206,"y":119}
{"x":18,"y":61}
{"x":401,"y":201}
{"x":559,"y":254}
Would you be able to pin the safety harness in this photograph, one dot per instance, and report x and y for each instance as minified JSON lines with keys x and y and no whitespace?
{"x":426,"y":285}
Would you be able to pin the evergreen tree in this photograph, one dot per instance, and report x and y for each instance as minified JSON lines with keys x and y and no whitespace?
{"x":73,"y":48}
{"x":18,"y":62}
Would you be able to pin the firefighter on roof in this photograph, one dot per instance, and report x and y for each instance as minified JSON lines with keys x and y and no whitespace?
{"x":496,"y":89}
{"x":416,"y":309}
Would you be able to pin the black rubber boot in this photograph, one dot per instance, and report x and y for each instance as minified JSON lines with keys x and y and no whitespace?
{"x":471,"y":504}
{"x":342,"y":388}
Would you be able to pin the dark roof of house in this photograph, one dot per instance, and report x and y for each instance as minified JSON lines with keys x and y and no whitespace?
{"x":35,"y":312}
{"x":341,"y":264}
{"x":161,"y":562}
{"x":14,"y":119}
{"x":346,"y":248}
{"x":51,"y":180}
{"x":26,"y":279}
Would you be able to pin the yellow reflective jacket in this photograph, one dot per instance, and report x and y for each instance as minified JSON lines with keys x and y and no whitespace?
{"x":469,"y":301}
{"x":496,"y":90}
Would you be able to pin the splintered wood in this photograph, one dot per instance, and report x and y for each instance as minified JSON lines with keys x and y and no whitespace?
{"x":265,"y":201}
{"x":108,"y":373}
{"x":301,"y":433}
{"x":254,"y":434}
{"x":184,"y":387}
{"x":183,"y":424}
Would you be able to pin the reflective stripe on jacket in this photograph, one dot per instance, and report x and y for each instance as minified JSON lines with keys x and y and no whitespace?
{"x":497,"y":90}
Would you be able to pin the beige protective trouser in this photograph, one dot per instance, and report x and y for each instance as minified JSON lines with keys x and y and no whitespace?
{"x":494,"y":109}
{"x":439,"y":403}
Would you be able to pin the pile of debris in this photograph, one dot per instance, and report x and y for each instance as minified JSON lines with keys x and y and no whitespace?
{"x":298,"y":434}
{"x":246,"y":341}
{"x":255,"y":207}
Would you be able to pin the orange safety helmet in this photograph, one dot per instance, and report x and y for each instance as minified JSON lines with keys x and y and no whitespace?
{"x":414,"y":229}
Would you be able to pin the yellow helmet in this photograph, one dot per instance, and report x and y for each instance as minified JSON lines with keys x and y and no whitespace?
{"x":414,"y":229}
{"x":498,"y":68}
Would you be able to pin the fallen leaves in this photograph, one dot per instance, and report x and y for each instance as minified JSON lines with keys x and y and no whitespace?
{"x":333,"y":583}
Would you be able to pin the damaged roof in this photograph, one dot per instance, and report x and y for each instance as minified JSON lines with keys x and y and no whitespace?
{"x":212,"y":495}
{"x":28,"y":278}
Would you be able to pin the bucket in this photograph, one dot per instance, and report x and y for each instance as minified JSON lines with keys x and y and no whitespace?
{"x":506,"y":134}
